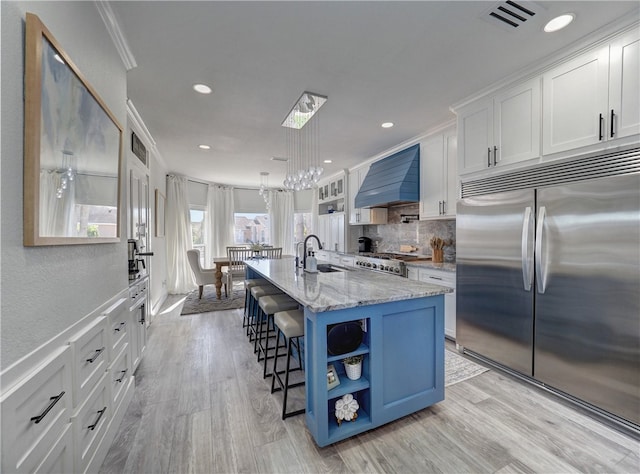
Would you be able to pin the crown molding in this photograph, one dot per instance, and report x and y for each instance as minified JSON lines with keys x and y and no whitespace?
{"x":117,"y":35}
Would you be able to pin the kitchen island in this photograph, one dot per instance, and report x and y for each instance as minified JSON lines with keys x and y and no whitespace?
{"x":403,"y":343}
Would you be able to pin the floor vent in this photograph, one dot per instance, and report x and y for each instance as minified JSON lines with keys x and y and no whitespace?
{"x":511,"y":15}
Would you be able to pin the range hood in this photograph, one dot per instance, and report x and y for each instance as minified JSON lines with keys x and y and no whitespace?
{"x":392,"y":180}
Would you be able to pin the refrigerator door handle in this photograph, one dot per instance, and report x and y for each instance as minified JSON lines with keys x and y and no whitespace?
{"x":540,"y":276}
{"x":527,"y":248}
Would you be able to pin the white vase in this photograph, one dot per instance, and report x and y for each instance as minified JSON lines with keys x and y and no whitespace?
{"x":354,"y":371}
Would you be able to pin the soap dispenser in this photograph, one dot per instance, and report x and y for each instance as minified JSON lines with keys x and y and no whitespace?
{"x":312,"y":263}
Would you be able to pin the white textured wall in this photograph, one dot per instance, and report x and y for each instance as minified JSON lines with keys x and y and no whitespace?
{"x":43,"y":290}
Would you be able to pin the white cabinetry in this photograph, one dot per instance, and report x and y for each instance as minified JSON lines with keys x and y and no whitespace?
{"x":447,"y":279}
{"x":593,"y":98}
{"x":90,"y":349}
{"x":35,"y":416}
{"x":442,"y":278}
{"x":59,"y":407}
{"x":438,"y":175}
{"x":501,"y":130}
{"x":357,"y":216}
{"x":331,"y":231}
{"x":138,"y":295}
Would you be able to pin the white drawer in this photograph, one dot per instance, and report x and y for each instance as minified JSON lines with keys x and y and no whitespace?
{"x":438,"y":277}
{"x":118,"y":321}
{"x":34,"y":413}
{"x":90,"y":349}
{"x":90,"y":424}
{"x":118,"y":374}
{"x":60,"y":458}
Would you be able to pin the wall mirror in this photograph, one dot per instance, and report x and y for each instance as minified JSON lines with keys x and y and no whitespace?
{"x":72,"y":150}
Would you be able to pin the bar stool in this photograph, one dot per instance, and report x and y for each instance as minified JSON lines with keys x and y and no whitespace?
{"x":291,"y":325}
{"x":248,"y":284}
{"x":255,"y":319}
{"x":269,"y":305}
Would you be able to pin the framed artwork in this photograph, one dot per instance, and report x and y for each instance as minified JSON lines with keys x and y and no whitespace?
{"x":72,"y":150}
{"x":160,"y":202}
{"x":332,"y":377}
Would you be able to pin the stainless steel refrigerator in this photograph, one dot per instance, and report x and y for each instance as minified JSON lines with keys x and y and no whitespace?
{"x":548,"y":281}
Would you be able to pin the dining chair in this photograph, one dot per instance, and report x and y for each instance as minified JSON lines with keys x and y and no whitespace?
{"x":271,"y":252}
{"x":236,"y":268}
{"x":204,"y":276}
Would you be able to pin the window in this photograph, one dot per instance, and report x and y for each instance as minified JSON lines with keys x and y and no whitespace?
{"x":301,"y":225}
{"x":197,"y":232}
{"x":251,"y":228}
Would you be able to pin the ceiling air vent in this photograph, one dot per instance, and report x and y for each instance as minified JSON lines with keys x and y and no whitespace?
{"x":511,"y":15}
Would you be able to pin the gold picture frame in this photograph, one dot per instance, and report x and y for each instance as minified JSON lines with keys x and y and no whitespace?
{"x":159,"y":217}
{"x":72,"y":150}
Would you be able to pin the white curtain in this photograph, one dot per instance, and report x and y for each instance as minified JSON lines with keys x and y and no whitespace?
{"x":180,"y":277}
{"x":281,"y":221}
{"x":56,"y":214}
{"x":219,"y":220}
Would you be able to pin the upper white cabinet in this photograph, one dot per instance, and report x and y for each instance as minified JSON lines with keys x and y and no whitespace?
{"x":438,"y":175}
{"x":331,"y":190}
{"x":501,"y":130}
{"x":593,"y":98}
{"x":624,"y":86}
{"x":359,"y":216}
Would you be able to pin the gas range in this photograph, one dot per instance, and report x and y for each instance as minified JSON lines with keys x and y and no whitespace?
{"x":383,"y":263}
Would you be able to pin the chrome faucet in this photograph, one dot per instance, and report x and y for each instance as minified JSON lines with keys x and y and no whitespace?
{"x":304,"y":259}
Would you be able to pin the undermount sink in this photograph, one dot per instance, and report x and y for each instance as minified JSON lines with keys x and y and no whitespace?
{"x":328,"y":268}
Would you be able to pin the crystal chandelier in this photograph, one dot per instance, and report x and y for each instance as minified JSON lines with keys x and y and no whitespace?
{"x":67,"y":172}
{"x":303,"y":164}
{"x":264,"y":188}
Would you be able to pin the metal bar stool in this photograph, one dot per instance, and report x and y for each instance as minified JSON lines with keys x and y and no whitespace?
{"x":269,"y":305}
{"x":255,"y":316}
{"x":248,"y":284}
{"x":291,"y":325}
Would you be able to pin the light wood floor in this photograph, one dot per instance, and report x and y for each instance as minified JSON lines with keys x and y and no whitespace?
{"x":201,"y":405}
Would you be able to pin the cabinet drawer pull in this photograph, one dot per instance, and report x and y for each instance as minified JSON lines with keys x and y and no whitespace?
{"x":123,"y":372}
{"x":96,"y":355}
{"x":54,"y":400}
{"x":495,"y":155}
{"x":100,"y":413}
{"x":600,"y":120}
{"x":488,"y":157}
{"x":444,"y":207}
{"x":435,"y":278}
{"x":613,"y":116}
{"x":123,"y":323}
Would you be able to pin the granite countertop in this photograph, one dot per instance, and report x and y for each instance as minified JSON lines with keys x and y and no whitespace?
{"x":338,"y":290}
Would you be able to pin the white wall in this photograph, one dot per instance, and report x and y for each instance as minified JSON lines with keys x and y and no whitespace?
{"x":43,"y":290}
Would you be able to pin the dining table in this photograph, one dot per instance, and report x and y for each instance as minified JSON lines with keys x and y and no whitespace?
{"x":219,"y":263}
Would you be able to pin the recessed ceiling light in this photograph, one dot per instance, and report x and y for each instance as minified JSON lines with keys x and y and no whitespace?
{"x":202,"y":88}
{"x":387,"y":125}
{"x":328,"y":161}
{"x":559,"y":22}
{"x":204,"y":147}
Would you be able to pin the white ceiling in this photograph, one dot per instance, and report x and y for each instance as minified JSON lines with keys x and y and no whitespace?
{"x":404,"y":62}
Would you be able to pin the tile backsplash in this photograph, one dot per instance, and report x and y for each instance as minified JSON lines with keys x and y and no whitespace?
{"x":389,"y":237}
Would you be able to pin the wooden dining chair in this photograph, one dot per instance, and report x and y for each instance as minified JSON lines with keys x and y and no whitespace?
{"x":236,"y":268}
{"x":271,"y":252}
